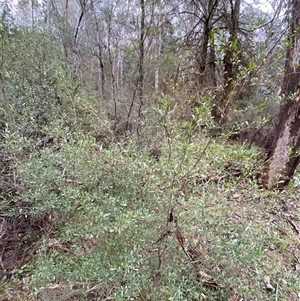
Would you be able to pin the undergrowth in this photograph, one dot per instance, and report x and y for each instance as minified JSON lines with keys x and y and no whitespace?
{"x":193,"y":224}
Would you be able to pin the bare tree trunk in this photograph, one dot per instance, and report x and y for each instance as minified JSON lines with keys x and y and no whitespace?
{"x":47,"y":15}
{"x":111,"y":65}
{"x":212,"y":63}
{"x":284,"y":157}
{"x":158,"y":53}
{"x":83,"y":7}
{"x":141,"y":58}
{"x":230,"y":60}
{"x":208,"y":9}
{"x":32,"y":14}
{"x":101,"y":76}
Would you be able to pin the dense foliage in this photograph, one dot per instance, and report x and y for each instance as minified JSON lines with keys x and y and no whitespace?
{"x":129,"y":165}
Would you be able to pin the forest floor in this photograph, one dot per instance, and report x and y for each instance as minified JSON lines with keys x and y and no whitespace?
{"x":116,"y":223}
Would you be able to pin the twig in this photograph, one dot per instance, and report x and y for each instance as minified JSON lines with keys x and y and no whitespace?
{"x":276,"y":292}
{"x":218,"y":178}
{"x":295,"y":227}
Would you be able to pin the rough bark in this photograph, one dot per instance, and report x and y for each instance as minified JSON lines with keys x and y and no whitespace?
{"x":284,"y":157}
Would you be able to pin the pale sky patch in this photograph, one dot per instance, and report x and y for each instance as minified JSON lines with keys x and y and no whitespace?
{"x":263,"y":5}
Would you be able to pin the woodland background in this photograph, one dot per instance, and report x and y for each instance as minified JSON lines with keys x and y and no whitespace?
{"x":133,"y":137}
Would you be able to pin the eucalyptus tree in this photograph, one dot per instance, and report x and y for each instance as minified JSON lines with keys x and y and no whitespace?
{"x":230,"y":16}
{"x":135,"y":37}
{"x":211,"y":35}
{"x":98,"y":50}
{"x":284,"y":156}
{"x":223,"y":49}
{"x":120,"y":51}
{"x":202,"y":17}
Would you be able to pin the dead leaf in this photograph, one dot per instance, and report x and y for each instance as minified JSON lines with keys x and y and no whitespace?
{"x":267,"y":282}
{"x":53,"y":243}
{"x":212,"y":283}
{"x":234,"y":296}
{"x":203,"y":274}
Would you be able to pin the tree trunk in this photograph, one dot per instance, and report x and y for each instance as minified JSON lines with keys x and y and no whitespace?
{"x":142,"y":57}
{"x":208,"y":9}
{"x":82,"y":13}
{"x":284,"y":157}
{"x":101,"y":73}
{"x":111,"y":64}
{"x":158,"y":54}
{"x":230,"y":61}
